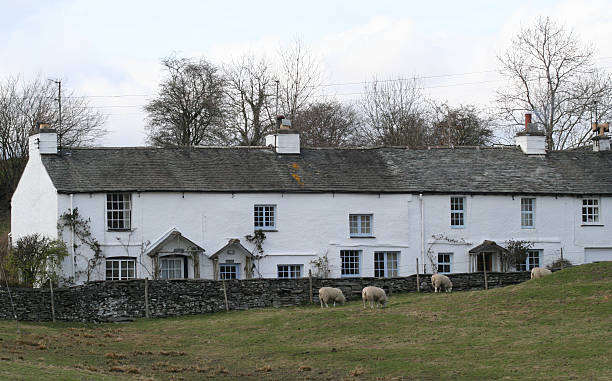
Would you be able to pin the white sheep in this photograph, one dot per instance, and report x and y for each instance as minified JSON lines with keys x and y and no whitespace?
{"x":330,"y":294}
{"x":374,"y":295}
{"x":438,"y":281}
{"x":539,"y":272}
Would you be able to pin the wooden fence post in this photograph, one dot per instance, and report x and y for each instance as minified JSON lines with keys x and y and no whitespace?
{"x":417,"y":280}
{"x":310,"y":283}
{"x":52,"y":301}
{"x":562,"y":259}
{"x":225,"y":296}
{"x":146,"y":292}
{"x":484,"y":269}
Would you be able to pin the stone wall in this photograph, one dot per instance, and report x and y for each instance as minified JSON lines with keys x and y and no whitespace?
{"x":123,"y":300}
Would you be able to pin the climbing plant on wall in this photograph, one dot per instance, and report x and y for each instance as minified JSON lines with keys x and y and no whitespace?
{"x":81,"y":230}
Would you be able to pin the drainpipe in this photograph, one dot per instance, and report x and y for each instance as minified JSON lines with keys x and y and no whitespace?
{"x":422,"y":232}
{"x":72,"y":240}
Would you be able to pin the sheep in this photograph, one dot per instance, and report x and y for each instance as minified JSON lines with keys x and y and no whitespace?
{"x":539,"y":272}
{"x":438,"y":281}
{"x":374,"y":295}
{"x":329,"y":294}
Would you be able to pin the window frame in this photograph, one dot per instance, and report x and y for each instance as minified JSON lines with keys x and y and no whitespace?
{"x":265,"y":226}
{"x":448,"y":263}
{"x":528,"y":214}
{"x":236,"y":267}
{"x":127,"y":222}
{"x":529,"y":263}
{"x":360,"y":224}
{"x":121,"y":261}
{"x":351,"y":273}
{"x":387,"y":258}
{"x":460,"y":213}
{"x":595,"y":213}
{"x":173,"y":258}
{"x":291,"y":271}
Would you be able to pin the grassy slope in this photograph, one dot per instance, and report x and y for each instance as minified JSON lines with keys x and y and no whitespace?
{"x":558,"y":328}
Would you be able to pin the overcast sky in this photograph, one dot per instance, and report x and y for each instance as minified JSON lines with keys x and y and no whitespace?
{"x":110,"y":50}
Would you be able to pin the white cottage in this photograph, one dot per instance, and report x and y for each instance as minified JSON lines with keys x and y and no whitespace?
{"x":186,"y":212}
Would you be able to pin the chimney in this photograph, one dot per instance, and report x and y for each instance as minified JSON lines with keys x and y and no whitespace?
{"x":601,"y":141}
{"x":285,"y":140}
{"x":42,"y":140}
{"x":531,"y":140}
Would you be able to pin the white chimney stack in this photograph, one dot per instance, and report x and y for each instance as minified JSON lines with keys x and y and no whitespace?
{"x":285,"y":140}
{"x":531,"y":140}
{"x":601,"y":142}
{"x":42,"y":140}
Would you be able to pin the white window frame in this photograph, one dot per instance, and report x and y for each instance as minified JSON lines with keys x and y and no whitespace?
{"x":457,"y":214}
{"x":528,"y":206}
{"x":165,"y":272}
{"x":350,"y":263}
{"x":122,"y":269}
{"x":289,"y":271}
{"x":123,"y":211}
{"x":590,"y":211}
{"x":530,"y":260}
{"x":448,"y":263}
{"x":222,"y":273}
{"x":264,"y":217}
{"x":386,"y":264}
{"x":363,"y":224}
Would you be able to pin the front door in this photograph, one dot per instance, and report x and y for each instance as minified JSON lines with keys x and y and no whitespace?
{"x":487,"y":264}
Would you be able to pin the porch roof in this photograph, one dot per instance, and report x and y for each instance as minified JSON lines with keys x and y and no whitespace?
{"x":173,"y":233}
{"x":487,"y":247}
{"x":234,"y":242}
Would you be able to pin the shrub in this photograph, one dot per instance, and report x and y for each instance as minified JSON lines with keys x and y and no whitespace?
{"x":36,"y":259}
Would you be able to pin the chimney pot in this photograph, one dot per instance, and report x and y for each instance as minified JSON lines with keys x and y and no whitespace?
{"x":527,"y":121}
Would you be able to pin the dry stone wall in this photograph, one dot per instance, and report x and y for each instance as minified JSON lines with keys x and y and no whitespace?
{"x":107,"y":301}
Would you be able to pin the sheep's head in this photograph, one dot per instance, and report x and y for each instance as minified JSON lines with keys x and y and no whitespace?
{"x":340,"y":299}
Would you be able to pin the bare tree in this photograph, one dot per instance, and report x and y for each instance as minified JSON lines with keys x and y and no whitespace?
{"x":395,"y":113}
{"x":551,"y":73}
{"x":299,"y":78}
{"x":251,"y":92}
{"x":459,"y":126}
{"x":328,"y":124}
{"x":23,"y":104}
{"x":188,"y":109}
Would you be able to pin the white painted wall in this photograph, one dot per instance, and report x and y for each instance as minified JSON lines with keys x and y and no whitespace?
{"x":34,"y":203}
{"x":312,"y":225}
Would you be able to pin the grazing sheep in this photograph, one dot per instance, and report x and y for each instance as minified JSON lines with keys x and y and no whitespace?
{"x":539,"y":272}
{"x":330,"y":294}
{"x":438,"y":281}
{"x":374,"y":295}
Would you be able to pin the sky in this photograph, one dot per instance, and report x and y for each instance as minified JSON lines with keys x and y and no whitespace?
{"x":110,"y":51}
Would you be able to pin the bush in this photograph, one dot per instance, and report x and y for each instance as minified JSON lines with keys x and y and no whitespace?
{"x":559,"y":264}
{"x":36,"y":259}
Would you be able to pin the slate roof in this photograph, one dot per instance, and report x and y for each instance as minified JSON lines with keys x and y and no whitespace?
{"x":374,"y":170}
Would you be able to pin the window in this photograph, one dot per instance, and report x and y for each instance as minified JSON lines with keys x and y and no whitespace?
{"x":265,"y":217}
{"x":120,"y":269}
{"x":386,"y":264}
{"x":289,"y":271}
{"x":527,"y":213}
{"x":590,"y":210}
{"x":229,"y":271}
{"x":350,"y":262}
{"x":532,"y":260}
{"x":457,"y":211}
{"x":444,"y":262}
{"x":172,"y":267}
{"x":118,"y":211}
{"x":360,"y":225}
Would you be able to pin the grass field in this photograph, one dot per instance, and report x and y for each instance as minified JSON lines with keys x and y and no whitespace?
{"x":557,"y":328}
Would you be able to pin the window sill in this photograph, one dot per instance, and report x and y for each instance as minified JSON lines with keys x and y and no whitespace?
{"x":592,"y":225}
{"x":457,"y":227}
{"x":528,"y":227}
{"x":267,"y":230}
{"x":119,"y":230}
{"x":362,"y":236}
